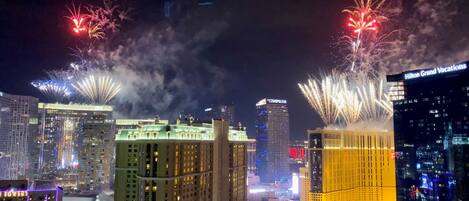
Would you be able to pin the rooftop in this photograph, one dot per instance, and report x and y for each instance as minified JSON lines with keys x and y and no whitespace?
{"x":75,"y":107}
{"x":429,"y":72}
{"x":164,"y":131}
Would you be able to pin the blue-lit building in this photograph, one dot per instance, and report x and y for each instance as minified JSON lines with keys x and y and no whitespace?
{"x":273,"y":137}
{"x":431,"y":126}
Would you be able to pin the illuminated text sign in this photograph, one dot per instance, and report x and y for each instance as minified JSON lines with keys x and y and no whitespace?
{"x":13,"y":194}
{"x":276,"y":101}
{"x":435,"y":71}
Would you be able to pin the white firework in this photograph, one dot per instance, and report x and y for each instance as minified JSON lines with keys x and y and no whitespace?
{"x":98,"y":89}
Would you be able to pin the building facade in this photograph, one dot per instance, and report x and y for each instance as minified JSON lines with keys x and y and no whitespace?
{"x":181,"y":162}
{"x":346,"y":165}
{"x":73,"y":147}
{"x":18,"y":126}
{"x":305,"y":183}
{"x":431,"y":112}
{"x":273,"y":137}
{"x":251,"y":157}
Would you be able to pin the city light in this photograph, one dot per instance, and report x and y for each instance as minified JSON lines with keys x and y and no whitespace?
{"x":257,"y":190}
{"x":295,"y":184}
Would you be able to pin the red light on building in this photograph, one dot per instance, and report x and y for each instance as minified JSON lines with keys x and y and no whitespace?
{"x":296,"y":153}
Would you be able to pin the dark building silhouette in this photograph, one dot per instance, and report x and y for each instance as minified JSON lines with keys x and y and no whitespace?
{"x":431,"y":126}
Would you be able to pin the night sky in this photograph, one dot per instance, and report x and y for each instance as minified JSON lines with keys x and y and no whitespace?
{"x":266,"y":48}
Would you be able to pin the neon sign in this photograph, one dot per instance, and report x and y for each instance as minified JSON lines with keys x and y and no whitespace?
{"x":278,"y":101}
{"x":435,"y":71}
{"x":13,"y":194}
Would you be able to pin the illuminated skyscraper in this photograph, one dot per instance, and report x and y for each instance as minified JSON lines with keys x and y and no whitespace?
{"x":18,"y":125}
{"x":431,"y":123}
{"x":73,"y":146}
{"x":273,"y":136}
{"x":181,"y":162}
{"x":346,"y":165}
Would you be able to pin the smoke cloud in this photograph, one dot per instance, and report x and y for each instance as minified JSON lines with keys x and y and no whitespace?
{"x":162,"y":69}
{"x":430,"y":33}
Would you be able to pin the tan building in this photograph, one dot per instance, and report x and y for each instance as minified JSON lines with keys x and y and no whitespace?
{"x":181,"y":162}
{"x":305,"y":183}
{"x":348,"y":165}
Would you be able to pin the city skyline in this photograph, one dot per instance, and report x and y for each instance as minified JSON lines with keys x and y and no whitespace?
{"x":299,"y":49}
{"x":242,"y":100}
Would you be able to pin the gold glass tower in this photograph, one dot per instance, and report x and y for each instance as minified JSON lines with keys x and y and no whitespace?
{"x":351,"y":165}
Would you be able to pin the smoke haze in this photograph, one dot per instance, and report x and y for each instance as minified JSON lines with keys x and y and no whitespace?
{"x":163,"y":71}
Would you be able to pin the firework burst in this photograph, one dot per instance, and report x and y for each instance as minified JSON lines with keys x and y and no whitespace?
{"x":364,"y":19}
{"x":339,"y":99}
{"x":98,"y":89}
{"x":348,"y":103}
{"x":97,"y":21}
{"x":319,"y":93}
{"x":77,"y":19}
{"x":56,"y":90}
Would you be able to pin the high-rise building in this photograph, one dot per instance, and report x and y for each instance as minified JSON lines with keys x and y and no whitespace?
{"x":251,"y":154}
{"x":351,"y":165}
{"x":305,"y":183}
{"x":120,"y":124}
{"x":226,"y":112}
{"x":18,"y":126}
{"x":181,"y":162}
{"x":431,"y":112}
{"x":73,"y":146}
{"x":273,"y":136}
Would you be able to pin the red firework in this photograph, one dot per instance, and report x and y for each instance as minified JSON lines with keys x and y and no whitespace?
{"x":365,"y":22}
{"x":365,"y":16}
{"x":78,"y":20}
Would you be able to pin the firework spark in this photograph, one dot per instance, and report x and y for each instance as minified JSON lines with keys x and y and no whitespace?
{"x":364,"y":17}
{"x":77,"y":19}
{"x":348,"y":103}
{"x":53,"y":89}
{"x":320,"y":97}
{"x":97,"y":20}
{"x":99,"y":89}
{"x":339,"y":99}
{"x":372,"y":94}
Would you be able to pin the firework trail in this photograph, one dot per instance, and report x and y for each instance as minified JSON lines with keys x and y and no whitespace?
{"x":364,"y":19}
{"x":386,"y":105}
{"x":77,"y":19}
{"x":98,"y":20}
{"x":348,"y":103}
{"x":98,"y":89}
{"x":339,"y":99}
{"x":56,"y":90}
{"x":320,"y":97}
{"x":373,"y":95}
